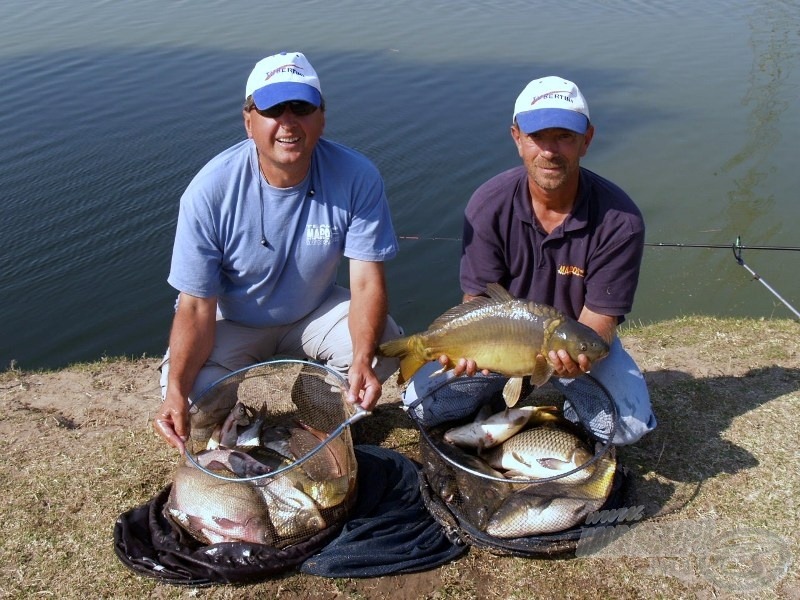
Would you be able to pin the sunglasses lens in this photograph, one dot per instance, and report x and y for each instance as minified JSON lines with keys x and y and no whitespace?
{"x":300,"y":109}
{"x":273,"y":112}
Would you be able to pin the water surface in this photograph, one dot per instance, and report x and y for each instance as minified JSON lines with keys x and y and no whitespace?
{"x":110,"y":108}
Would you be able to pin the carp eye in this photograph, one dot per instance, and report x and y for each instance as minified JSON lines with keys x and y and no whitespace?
{"x":584,"y":346}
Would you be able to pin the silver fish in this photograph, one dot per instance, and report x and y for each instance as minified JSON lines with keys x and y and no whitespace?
{"x":489,"y":431}
{"x":552,"y":507}
{"x":225,"y":433}
{"x":291,"y":511}
{"x":214,"y":510}
{"x":251,"y":434}
{"x":277,"y":438}
{"x":327,"y":492}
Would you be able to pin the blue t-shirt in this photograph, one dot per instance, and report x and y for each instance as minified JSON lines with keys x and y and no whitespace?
{"x":339,"y":210}
{"x":592,"y":258}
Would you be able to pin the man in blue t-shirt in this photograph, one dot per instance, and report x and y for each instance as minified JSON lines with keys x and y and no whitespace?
{"x":262,"y":229}
{"x":558,"y":234}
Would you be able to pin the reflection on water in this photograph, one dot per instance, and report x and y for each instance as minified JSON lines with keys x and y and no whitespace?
{"x":112,"y":108}
{"x":770,"y":93}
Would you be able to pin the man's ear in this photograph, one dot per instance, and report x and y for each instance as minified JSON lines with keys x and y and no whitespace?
{"x":587,"y":139}
{"x":247,"y":123}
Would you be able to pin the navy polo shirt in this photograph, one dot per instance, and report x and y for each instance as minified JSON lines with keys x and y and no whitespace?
{"x":591,"y":259}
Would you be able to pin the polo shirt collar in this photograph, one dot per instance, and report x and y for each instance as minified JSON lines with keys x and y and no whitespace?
{"x":575,"y":221}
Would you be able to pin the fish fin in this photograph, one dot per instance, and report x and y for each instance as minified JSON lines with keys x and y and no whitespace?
{"x":216,"y":465}
{"x":552,"y":463}
{"x":519,"y":421}
{"x":542,"y":371}
{"x":403,"y":348}
{"x":483,"y":413}
{"x":496,"y":295}
{"x":520,"y":459}
{"x":409,"y":365}
{"x":396,"y":348}
{"x":512,"y":390}
{"x":496,"y":291}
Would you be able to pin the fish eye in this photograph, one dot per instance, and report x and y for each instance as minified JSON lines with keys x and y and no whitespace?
{"x":584,"y":346}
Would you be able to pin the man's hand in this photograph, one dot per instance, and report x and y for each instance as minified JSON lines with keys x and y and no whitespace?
{"x":172,"y":421}
{"x":365,"y":387}
{"x":564,"y":366}
{"x":461,"y":366}
{"x":190,"y":343}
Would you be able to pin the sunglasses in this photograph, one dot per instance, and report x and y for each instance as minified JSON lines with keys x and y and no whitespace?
{"x":298,"y":108}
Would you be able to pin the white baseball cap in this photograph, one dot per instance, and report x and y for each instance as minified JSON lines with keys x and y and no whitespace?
{"x":283,"y":77}
{"x":551,"y":102}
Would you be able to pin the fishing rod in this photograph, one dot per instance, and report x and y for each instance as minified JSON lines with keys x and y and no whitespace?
{"x":737,"y":248}
{"x":737,"y":254}
{"x":737,"y":245}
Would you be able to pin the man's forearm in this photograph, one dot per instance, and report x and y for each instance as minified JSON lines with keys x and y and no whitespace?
{"x":190,"y":342}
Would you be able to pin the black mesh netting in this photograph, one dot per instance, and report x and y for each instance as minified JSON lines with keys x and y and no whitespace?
{"x":270,"y":479}
{"x":390,"y":531}
{"x":480,"y":500}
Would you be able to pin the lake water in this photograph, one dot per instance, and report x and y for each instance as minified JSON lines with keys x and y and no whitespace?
{"x":109,"y":108}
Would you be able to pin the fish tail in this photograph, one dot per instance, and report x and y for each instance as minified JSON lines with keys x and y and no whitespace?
{"x":410,"y":352}
{"x":397,"y":347}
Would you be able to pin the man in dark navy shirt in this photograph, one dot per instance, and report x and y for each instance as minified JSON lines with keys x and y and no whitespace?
{"x":556,"y":233}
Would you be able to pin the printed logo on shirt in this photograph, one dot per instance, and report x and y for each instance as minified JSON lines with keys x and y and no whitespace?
{"x":320,"y":235}
{"x":570,"y":270}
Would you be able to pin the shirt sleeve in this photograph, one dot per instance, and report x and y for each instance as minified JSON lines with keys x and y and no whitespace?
{"x":196,"y":267}
{"x":613,"y":275}
{"x":370,"y":234}
{"x":482,"y":255}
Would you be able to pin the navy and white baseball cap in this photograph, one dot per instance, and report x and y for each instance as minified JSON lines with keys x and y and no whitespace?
{"x":551,"y":102}
{"x":281,"y":78}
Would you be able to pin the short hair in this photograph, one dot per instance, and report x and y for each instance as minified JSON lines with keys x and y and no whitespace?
{"x":249,"y":104}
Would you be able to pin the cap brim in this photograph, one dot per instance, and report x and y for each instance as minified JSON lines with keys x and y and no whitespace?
{"x":548,"y":118}
{"x":275,"y":93}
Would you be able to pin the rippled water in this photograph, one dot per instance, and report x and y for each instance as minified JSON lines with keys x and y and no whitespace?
{"x":110,"y":108}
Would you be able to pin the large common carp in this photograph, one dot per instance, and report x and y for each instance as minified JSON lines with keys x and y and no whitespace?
{"x":541,"y":453}
{"x":502,"y":334}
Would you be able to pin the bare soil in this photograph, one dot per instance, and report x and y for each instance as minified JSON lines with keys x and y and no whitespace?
{"x":725,"y":392}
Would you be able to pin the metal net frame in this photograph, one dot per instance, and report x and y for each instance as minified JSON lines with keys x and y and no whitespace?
{"x":463,"y":499}
{"x":297,"y":474}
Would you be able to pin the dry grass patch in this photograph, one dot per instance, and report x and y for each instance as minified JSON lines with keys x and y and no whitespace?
{"x":80,"y":451}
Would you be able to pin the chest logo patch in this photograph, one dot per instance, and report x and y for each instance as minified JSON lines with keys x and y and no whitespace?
{"x":321,"y":235}
{"x":570,"y":270}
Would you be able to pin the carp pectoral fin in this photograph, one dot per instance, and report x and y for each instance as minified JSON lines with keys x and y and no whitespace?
{"x":541,"y":371}
{"x":553,"y":463}
{"x":512,"y":390}
{"x":481,"y":447}
{"x":520,"y":459}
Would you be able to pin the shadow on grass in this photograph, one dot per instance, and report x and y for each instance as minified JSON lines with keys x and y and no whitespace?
{"x":689,"y":446}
